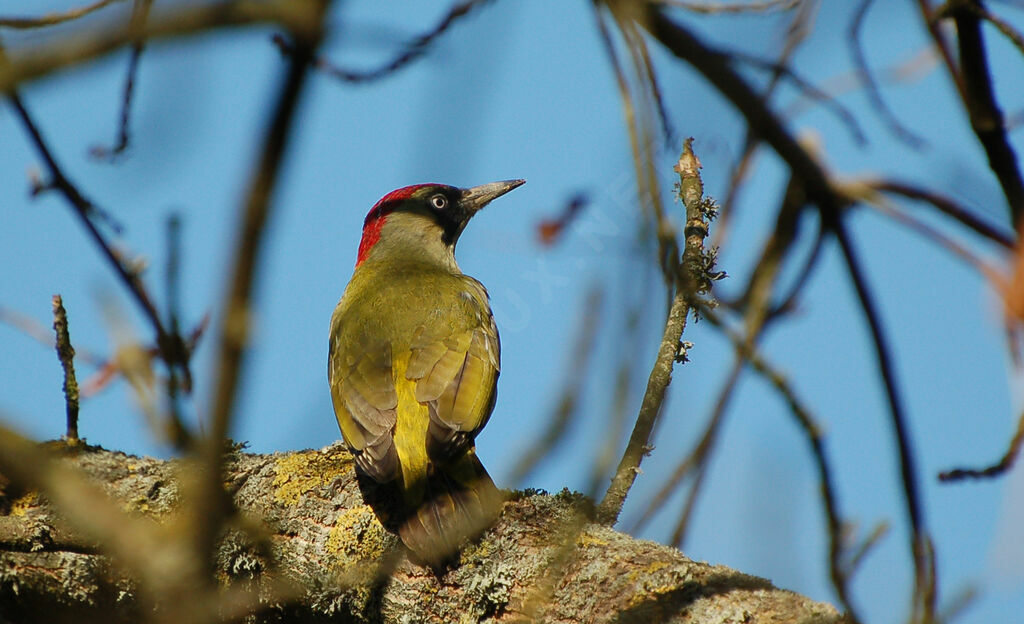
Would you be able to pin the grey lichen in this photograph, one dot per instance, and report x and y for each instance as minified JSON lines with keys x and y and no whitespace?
{"x":490,"y":587}
{"x":301,"y":518}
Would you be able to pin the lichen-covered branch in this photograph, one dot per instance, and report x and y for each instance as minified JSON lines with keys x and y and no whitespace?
{"x":303,"y":525}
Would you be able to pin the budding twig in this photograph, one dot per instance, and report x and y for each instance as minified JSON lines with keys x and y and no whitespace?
{"x":691,"y":192}
{"x":66,"y":354}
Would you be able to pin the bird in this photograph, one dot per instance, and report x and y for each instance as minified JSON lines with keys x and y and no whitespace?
{"x":413,"y":365}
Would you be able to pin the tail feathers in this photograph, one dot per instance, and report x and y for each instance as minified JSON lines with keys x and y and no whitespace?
{"x":460,"y":501}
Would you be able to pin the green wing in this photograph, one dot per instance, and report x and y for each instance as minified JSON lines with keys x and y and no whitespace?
{"x":365,"y":402}
{"x":456,"y":374}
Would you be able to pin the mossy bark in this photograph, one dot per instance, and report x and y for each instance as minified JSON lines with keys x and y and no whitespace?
{"x":304,"y":548}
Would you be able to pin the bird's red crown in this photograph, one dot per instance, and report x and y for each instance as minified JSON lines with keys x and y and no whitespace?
{"x":377,"y":216}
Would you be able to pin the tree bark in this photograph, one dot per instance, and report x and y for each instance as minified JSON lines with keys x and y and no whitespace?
{"x":304,"y":548}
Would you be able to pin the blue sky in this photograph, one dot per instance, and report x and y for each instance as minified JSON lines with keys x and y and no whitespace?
{"x":524,"y":90}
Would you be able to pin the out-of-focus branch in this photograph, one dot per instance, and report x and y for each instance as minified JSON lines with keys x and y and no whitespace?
{"x":808,"y":89}
{"x":1001,"y":25}
{"x":954,"y":248}
{"x":1004,"y":464}
{"x":30,"y":63}
{"x":233,"y":339}
{"x":172,"y":347}
{"x":840,"y":568}
{"x":53,"y":19}
{"x":871,"y":86}
{"x":568,"y":404}
{"x":176,"y":429}
{"x":698,"y":459}
{"x":140,"y":13}
{"x":920,"y":543}
{"x":946,"y":206}
{"x":66,"y":355}
{"x":413,"y":50}
{"x":717,"y":68}
{"x":982,"y":108}
{"x":717,"y":8}
{"x":797,"y":34}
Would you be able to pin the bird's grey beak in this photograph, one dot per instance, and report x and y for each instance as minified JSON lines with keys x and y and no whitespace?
{"x":477,"y":197}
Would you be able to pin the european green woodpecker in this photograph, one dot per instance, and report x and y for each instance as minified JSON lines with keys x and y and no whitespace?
{"x":413,"y":368}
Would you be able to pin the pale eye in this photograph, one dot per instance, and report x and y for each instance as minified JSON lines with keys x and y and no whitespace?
{"x":439,"y":201}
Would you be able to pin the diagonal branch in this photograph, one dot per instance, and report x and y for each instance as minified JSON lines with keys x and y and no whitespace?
{"x":924,"y":577}
{"x":691,"y":192}
{"x":172,"y":347}
{"x":80,"y":47}
{"x":414,"y":50}
{"x":983,"y":109}
{"x":717,"y":68}
{"x":140,"y":13}
{"x":235,"y":323}
{"x":52,"y":19}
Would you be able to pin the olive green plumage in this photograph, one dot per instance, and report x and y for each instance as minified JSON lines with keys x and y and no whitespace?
{"x":413,"y":369}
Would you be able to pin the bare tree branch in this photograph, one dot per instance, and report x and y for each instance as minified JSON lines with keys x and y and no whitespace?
{"x":324,"y":552}
{"x":30,"y":63}
{"x":871,"y":86}
{"x":66,"y":355}
{"x":996,"y":469}
{"x":694,"y":273}
{"x":53,"y":19}
{"x":235,"y":324}
{"x":140,"y":13}
{"x":924,"y":597}
{"x":413,"y":50}
{"x":982,"y":108}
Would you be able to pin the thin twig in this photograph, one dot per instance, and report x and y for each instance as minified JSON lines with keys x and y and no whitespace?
{"x":716,"y":67}
{"x":1004,"y":464}
{"x":53,"y":19}
{"x":871,"y":86}
{"x":638,"y":445}
{"x":788,"y":301}
{"x":172,"y":347}
{"x":920,"y":543}
{"x":857,"y":555}
{"x":745,"y":348}
{"x":77,"y":48}
{"x":568,"y":404}
{"x":809,"y":89}
{"x":140,"y":13}
{"x":66,"y":355}
{"x":177,"y":431}
{"x":946,"y":206}
{"x":413,"y":50}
